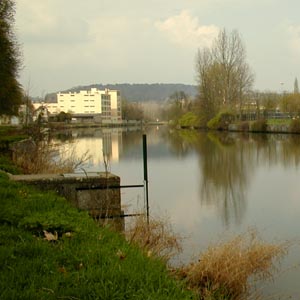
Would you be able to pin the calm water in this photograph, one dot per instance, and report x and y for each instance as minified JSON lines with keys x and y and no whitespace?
{"x":210,"y":185}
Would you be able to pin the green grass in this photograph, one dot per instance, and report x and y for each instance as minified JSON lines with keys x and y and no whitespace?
{"x":279,"y":121}
{"x":92,"y":263}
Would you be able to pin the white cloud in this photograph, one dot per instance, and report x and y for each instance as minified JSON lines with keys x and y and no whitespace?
{"x":185,"y":30}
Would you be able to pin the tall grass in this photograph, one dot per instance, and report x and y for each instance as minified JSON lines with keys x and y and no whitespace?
{"x":155,"y":237}
{"x":42,"y":156}
{"x":227,"y":267}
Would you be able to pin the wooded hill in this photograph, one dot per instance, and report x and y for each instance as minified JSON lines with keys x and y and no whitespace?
{"x":140,"y":92}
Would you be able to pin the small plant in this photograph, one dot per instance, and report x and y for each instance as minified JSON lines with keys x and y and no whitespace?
{"x":244,"y":126}
{"x":155,"y":237}
{"x":35,"y":157}
{"x":259,"y":126}
{"x":189,"y":119}
{"x":227,"y":267}
{"x":221,"y":121}
{"x":7,"y":165}
{"x":295,"y":126}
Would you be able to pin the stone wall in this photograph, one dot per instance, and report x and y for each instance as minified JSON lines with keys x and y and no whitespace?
{"x":99,"y":193}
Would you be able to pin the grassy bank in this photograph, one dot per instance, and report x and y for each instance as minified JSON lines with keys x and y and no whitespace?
{"x":50,"y":250}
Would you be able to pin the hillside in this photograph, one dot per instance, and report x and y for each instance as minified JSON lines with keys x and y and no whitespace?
{"x":140,"y":92}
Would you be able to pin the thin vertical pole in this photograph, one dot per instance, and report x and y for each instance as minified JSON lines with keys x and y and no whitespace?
{"x":146,"y":173}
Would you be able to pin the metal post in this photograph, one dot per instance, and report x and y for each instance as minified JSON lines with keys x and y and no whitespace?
{"x":146,"y":173}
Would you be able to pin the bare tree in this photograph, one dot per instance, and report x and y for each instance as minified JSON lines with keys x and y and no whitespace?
{"x":224,"y":77}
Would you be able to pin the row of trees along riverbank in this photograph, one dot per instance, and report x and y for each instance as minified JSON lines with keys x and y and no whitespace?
{"x":225,"y":91}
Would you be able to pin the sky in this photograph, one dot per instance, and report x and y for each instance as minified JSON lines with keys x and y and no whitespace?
{"x":68,"y":43}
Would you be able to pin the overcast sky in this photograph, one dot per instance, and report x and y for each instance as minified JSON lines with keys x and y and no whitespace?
{"x":67,"y":43}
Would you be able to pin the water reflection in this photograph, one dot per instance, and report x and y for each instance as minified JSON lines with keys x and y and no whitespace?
{"x":227,"y":161}
{"x":99,"y":144}
{"x":207,"y":182}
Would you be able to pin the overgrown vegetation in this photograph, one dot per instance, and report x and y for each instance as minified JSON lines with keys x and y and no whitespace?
{"x":50,"y":250}
{"x":295,"y":126}
{"x":10,"y":62}
{"x":259,"y":126}
{"x":42,"y":156}
{"x":226,"y":268}
{"x":155,"y":237}
{"x":221,"y":120}
{"x":243,"y":126}
{"x":188,"y":120}
{"x":36,"y":154}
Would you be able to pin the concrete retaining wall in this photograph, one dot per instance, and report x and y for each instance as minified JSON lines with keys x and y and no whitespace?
{"x":99,"y":193}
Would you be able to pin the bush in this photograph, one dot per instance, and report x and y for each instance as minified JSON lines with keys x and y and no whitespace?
{"x":189,"y":119}
{"x":244,"y":126}
{"x":221,"y":121}
{"x":259,"y":126}
{"x":228,"y":266}
{"x":295,"y":126}
{"x":7,"y":165}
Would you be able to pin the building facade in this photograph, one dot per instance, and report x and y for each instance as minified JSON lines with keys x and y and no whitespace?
{"x":104,"y":105}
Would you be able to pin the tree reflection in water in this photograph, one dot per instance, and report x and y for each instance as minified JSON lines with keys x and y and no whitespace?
{"x":225,"y":174}
{"x":228,"y":162}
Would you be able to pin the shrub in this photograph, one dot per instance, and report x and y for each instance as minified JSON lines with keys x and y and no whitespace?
{"x":259,"y":126}
{"x":221,"y":121}
{"x":155,"y":237}
{"x":295,"y":126}
{"x":244,"y":126}
{"x":228,"y":266}
{"x":189,"y":119}
{"x":7,"y":165}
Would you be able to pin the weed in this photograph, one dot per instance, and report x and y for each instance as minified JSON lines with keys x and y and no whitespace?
{"x":295,"y":126}
{"x":155,"y":237}
{"x":35,"y":157}
{"x":243,"y":126}
{"x":227,"y":267}
{"x":259,"y":126}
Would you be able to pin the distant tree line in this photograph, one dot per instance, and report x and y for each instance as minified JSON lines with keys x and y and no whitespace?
{"x":142,"y":92}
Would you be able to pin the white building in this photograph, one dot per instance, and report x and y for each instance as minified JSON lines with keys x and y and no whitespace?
{"x":103,"y":104}
{"x":106,"y":102}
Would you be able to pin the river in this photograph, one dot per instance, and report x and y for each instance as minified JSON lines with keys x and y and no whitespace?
{"x":210,"y":185}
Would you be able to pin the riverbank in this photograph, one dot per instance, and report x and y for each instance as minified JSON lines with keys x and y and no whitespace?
{"x":50,"y":250}
{"x":50,"y":225}
{"x":288,"y":126}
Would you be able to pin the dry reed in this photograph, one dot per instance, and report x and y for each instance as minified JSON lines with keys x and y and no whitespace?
{"x":227,"y":267}
{"x":155,"y":237}
{"x":44,"y":157}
